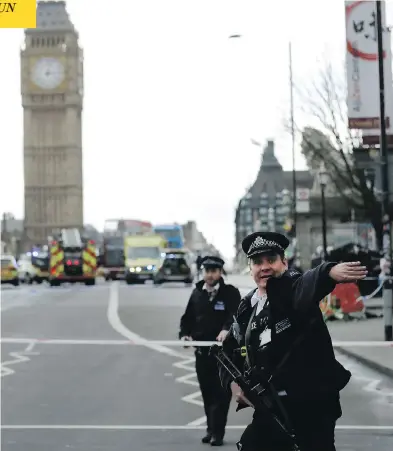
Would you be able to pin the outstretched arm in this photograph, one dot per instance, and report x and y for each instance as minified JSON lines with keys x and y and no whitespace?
{"x":317,"y":283}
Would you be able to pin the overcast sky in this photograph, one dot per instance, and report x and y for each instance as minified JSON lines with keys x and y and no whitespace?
{"x":171,"y":103}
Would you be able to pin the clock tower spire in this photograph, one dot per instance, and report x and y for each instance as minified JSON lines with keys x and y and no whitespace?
{"x":52,"y":100}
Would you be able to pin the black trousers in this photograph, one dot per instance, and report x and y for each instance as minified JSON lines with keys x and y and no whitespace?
{"x":216,"y":400}
{"x":313,"y":421}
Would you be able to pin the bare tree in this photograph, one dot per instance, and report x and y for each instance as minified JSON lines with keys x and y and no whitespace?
{"x":332,"y":142}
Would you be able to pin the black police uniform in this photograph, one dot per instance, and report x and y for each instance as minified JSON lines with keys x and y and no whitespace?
{"x":290,"y":326}
{"x":206,"y":315}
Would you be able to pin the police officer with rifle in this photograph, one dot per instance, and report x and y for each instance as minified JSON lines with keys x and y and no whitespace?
{"x":280,"y":353}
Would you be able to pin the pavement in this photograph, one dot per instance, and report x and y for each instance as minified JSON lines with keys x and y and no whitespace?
{"x":369,"y":330}
{"x":78,"y":373}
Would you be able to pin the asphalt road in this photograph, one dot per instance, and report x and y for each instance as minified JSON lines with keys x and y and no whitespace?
{"x":77,"y":374}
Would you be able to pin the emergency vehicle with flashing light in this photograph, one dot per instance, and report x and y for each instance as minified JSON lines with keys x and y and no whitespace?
{"x":72,"y":258}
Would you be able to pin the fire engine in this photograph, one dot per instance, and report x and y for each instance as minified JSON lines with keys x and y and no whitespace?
{"x":72,"y":258}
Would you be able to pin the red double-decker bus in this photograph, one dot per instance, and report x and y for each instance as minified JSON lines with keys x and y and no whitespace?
{"x":128,"y":226}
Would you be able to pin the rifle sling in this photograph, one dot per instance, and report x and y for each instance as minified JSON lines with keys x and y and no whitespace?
{"x":247,"y":336}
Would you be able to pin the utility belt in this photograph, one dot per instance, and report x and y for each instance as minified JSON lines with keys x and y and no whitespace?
{"x":241,"y":351}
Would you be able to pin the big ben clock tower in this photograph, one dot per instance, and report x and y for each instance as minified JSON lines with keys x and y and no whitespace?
{"x":52,"y":100}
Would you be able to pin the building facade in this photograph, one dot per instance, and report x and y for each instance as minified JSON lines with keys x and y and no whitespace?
{"x":267,"y":204}
{"x":343,"y":224}
{"x":52,"y":100}
{"x":11,"y":234}
{"x":195,"y":240}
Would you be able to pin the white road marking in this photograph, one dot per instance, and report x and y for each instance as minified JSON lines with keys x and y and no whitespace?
{"x":118,"y":326}
{"x":60,"y":341}
{"x":115,"y":322}
{"x":30,"y":347}
{"x":188,"y":379}
{"x":191,"y":399}
{"x":113,"y":316}
{"x":188,"y":365}
{"x":365,"y":376}
{"x":19,"y":357}
{"x":138,"y":427}
{"x":198,"y":422}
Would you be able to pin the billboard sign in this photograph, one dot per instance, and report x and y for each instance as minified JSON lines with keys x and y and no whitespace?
{"x":362,"y":67}
{"x":302,"y":200}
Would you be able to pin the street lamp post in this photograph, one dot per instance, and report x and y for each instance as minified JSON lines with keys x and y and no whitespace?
{"x":383,"y":149}
{"x":369,"y":176}
{"x":323,"y":181}
{"x":294,"y":181}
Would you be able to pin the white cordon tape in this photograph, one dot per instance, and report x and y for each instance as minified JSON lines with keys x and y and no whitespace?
{"x":361,"y":344}
{"x":180,"y":343}
{"x":371,"y":295}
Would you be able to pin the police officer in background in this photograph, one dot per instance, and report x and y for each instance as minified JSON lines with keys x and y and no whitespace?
{"x":208,"y":317}
{"x":283,"y":331}
{"x":198,"y":263}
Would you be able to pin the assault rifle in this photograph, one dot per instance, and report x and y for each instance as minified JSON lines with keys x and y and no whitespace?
{"x":262,"y":398}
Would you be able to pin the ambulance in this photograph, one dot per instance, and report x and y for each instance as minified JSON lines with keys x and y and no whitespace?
{"x":144,"y":255}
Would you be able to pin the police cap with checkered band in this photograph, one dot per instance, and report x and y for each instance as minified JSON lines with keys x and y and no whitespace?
{"x":264,"y":242}
{"x":211,"y":261}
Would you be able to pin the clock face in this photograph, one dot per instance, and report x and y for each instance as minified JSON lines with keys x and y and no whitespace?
{"x":48,"y":73}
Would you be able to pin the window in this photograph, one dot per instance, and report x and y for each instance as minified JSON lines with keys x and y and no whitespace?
{"x":133,"y":253}
{"x":41,"y":260}
{"x":114,"y":256}
{"x":114,"y":242}
{"x":177,"y":266}
{"x":168,"y":233}
{"x":7,"y":262}
{"x":282,"y":210}
{"x":248,"y":217}
{"x":264,"y":200}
